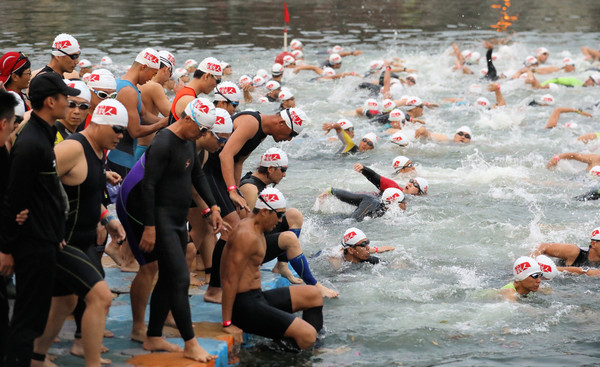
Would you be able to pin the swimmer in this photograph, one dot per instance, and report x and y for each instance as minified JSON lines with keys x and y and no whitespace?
{"x":368,"y":205}
{"x":571,"y":254}
{"x":401,"y":165}
{"x":356,"y":249}
{"x":65,"y":56}
{"x":591,"y":81}
{"x":396,"y":120}
{"x":370,"y":109}
{"x":277,"y":72}
{"x":545,"y":100}
{"x":273,"y":89}
{"x":463,"y":135}
{"x":553,"y":120}
{"x":527,"y":279}
{"x":227,"y":69}
{"x":227,"y":97}
{"x":590,"y":159}
{"x":461,"y":59}
{"x":591,"y":55}
{"x":595,"y":193}
{"x":368,"y":142}
{"x":325,"y":73}
{"x":190,"y":65}
{"x":287,"y":99}
{"x":542,"y":55}
{"x":568,"y":67}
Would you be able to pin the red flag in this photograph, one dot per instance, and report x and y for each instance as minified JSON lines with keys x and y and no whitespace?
{"x":287,"y":14}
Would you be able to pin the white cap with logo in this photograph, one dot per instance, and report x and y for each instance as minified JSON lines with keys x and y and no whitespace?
{"x":110,"y":112}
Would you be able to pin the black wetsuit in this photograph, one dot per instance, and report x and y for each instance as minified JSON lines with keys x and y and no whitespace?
{"x":590,"y":195}
{"x":368,"y":204}
{"x":382,"y":118}
{"x":3,"y":295}
{"x":583,"y":260}
{"x":172,"y":165}
{"x":271,"y":99}
{"x":492,"y":74}
{"x":32,"y":184}
{"x":62,"y":131}
{"x":372,"y":260}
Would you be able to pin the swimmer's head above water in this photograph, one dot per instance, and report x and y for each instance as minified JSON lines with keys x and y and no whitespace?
{"x":463,"y":135}
{"x":368,"y":142}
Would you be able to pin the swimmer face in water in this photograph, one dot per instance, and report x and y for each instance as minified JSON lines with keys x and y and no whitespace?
{"x":408,"y":167}
{"x":532,"y":282}
{"x":543,"y":57}
{"x":365,"y":144}
{"x":412,"y":188}
{"x":462,"y":137}
{"x":361,"y":250}
{"x":289,"y":103}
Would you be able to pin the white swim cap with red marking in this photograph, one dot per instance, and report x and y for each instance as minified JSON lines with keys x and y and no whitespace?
{"x":595,"y":234}
{"x":327,"y":71}
{"x":273,"y":85}
{"x":82,"y":87}
{"x":167,"y":58}
{"x":274,"y":157}
{"x":399,"y":139}
{"x":399,"y":162}
{"x":288,"y":60}
{"x":392,"y":195}
{"x":388,"y":105}
{"x":148,"y":57}
{"x":211,"y":66}
{"x":547,"y":266}
{"x":110,"y":112}
{"x":524,"y":267}
{"x":106,"y":61}
{"x":277,"y":69}
{"x":228,"y":90}
{"x":85,"y":63}
{"x":66,"y":43}
{"x":202,"y":112}
{"x":352,"y":236}
{"x":345,"y":124}
{"x":103,"y":79}
{"x":223,"y":123}
{"x":285,"y":94}
{"x":294,"y":118}
{"x":372,"y":137}
{"x":270,"y":198}
{"x":190,"y":63}
{"x":335,"y":59}
{"x":397,"y":115}
{"x":296,"y":44}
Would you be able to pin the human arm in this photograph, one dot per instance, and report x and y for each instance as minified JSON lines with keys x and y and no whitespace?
{"x":495,"y":87}
{"x":589,"y":159}
{"x":492,"y":74}
{"x":128,"y":97}
{"x":375,"y":249}
{"x":112,"y":225}
{"x":578,"y":270}
{"x":113,"y":178}
{"x":250,"y":193}
{"x":67,"y":154}
{"x":422,"y":132}
{"x":553,"y":120}
{"x":202,"y":187}
{"x":314,"y":68}
{"x":371,"y":175}
{"x":566,"y":251}
{"x":350,"y":53}
{"x":547,"y":69}
{"x":160,"y":99}
{"x":585,"y":138}
{"x":327,"y":127}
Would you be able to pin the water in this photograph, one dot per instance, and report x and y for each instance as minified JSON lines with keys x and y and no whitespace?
{"x":489,"y":202}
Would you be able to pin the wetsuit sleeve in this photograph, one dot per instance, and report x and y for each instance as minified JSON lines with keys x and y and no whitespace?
{"x":373,"y":177}
{"x":492,"y":74}
{"x":347,"y":196}
{"x":201,"y":183}
{"x":157,"y":159}
{"x":386,"y":183}
{"x":347,"y":141}
{"x":22,"y":173}
{"x":554,"y":80}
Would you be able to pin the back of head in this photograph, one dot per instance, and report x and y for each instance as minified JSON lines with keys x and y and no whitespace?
{"x":8,"y":105}
{"x":274,"y":157}
{"x":294,"y":118}
{"x":270,"y":198}
{"x":202,"y":112}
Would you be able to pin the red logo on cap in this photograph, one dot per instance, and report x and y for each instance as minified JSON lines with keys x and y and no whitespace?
{"x":62,"y":44}
{"x":349,"y":236}
{"x":106,"y":110}
{"x":295,"y":118}
{"x":397,"y":138}
{"x":412,"y":102}
{"x":94,"y":78}
{"x":547,"y":99}
{"x":153,"y":59}
{"x":391,"y":198}
{"x":227,"y":90}
{"x":522,"y":267}
{"x":271,"y":157}
{"x":201,"y":107}
{"x":220,"y":120}
{"x":397,"y":163}
{"x":171,"y":59}
{"x":213,"y":67}
{"x":595,"y":173}
{"x":372,"y":104}
{"x":270,"y":85}
{"x":270,"y":197}
{"x":595,"y":233}
{"x":545,"y":268}
{"x":71,"y":85}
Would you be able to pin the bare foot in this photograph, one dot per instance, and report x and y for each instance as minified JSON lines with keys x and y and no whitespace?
{"x":77,"y":348}
{"x":138,"y":335}
{"x":326,"y":292}
{"x":213,"y":295}
{"x":51,"y":357}
{"x":194,"y":351}
{"x":109,"y":334}
{"x":283,"y":269}
{"x":131,"y":267}
{"x":195,"y":281}
{"x":156,"y":343}
{"x":45,"y":363}
{"x":112,"y":250}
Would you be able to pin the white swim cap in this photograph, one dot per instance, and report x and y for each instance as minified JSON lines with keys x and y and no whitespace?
{"x":211,"y":66}
{"x":285,"y":94}
{"x":423,"y":184}
{"x":82,"y":87}
{"x":258,"y":81}
{"x":110,"y":112}
{"x":547,"y":266}
{"x":524,"y":267}
{"x":296,"y":44}
{"x":277,"y":69}
{"x":595,"y":77}
{"x":414,"y":76}
{"x":202,"y":112}
{"x":414,"y":101}
{"x":263,"y":100}
{"x":482,"y":102}
{"x":298,"y":54}
{"x":274,"y":157}
{"x":106,"y":61}
{"x":102,"y":78}
{"x":337,"y":49}
{"x":270,"y":198}
{"x":595,"y":171}
{"x":294,"y":119}
{"x":372,"y":137}
{"x":228,"y":90}
{"x":571,"y":125}
{"x":263,"y":74}
{"x":288,"y":60}
{"x":327,"y":71}
{"x":345,"y":124}
{"x":474,"y":58}
{"x":595,"y":234}
{"x":273,"y":85}
{"x":225,"y":64}
{"x":148,"y":57}
{"x":548,"y":99}
{"x":399,"y":139}
{"x":530,"y":60}
{"x":397,"y":115}
{"x":541,"y":50}
{"x":85,"y":63}
{"x":66,"y":43}
{"x":568,"y":61}
{"x":392,"y":195}
{"x":178,"y":73}
{"x":465,"y":129}
{"x":372,"y":104}
{"x":352,"y":236}
{"x":335,"y":59}
{"x":167,"y":58}
{"x":376,"y":65}
{"x":466,"y":54}
{"x":86,"y":77}
{"x":399,"y":162}
{"x":191,"y":63}
{"x":223,"y":123}
{"x":388,"y":105}
{"x":245,"y":79}
{"x":20,"y":107}
{"x":475,"y":88}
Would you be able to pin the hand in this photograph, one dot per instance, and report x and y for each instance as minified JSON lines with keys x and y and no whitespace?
{"x":100,"y":234}
{"x":22,"y":217}
{"x":163,"y":122}
{"x":236,"y":332}
{"x":386,"y":63}
{"x":113,"y":178}
{"x":116,"y":231}
{"x":358,"y":167}
{"x":216,"y":221}
{"x":7,"y":264}
{"x":493,"y":87}
{"x":356,"y":53}
{"x":226,"y":227}
{"x":148,"y":239}
{"x":247,"y":87}
{"x":488,"y":45}
{"x":327,"y":128}
{"x":585,"y":138}
{"x":552,"y":162}
{"x":583,"y":113}
{"x":238,"y":200}
{"x":62,"y":244}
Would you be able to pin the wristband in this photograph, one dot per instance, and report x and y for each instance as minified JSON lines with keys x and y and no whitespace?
{"x":105,"y":221}
{"x":226,"y":323}
{"x":556,"y":157}
{"x":579,"y":111}
{"x":376,"y":249}
{"x":231,"y":188}
{"x":206,"y":211}
{"x":598,"y":135}
{"x":498,"y":87}
{"x":411,"y":119}
{"x":427,"y":104}
{"x":104,"y":213}
{"x":388,"y":68}
{"x":404,"y":69}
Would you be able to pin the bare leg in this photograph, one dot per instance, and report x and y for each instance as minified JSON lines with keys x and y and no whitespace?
{"x":214,"y":294}
{"x":190,"y":256}
{"x":60,"y":308}
{"x":97,"y":303}
{"x":141,"y":287}
{"x":159,"y":343}
{"x":112,"y":250}
{"x":303,"y":297}
{"x":204,"y":240}
{"x":128,"y":262}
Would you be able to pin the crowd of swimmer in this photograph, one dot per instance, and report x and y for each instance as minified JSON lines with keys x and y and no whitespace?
{"x":75,"y":143}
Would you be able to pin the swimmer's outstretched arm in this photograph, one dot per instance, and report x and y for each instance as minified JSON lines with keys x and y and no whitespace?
{"x":423,"y":133}
{"x":585,"y":138}
{"x":590,"y":159}
{"x":553,"y":120}
{"x":375,"y":249}
{"x":314,"y":68}
{"x":566,"y":251}
{"x":495,"y":87}
{"x":578,"y":270}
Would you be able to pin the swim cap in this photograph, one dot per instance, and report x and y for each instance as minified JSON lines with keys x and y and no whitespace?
{"x":484,"y":72}
{"x":568,"y":61}
{"x":245,"y":79}
{"x":465,"y":129}
{"x":294,"y":119}
{"x":571,"y":125}
{"x":285,"y":94}
{"x":327,"y":71}
{"x":547,"y":266}
{"x":530,"y":60}
{"x":372,"y":105}
{"x":167,"y":58}
{"x":20,"y":107}
{"x":392,"y":195}
{"x":277,"y":69}
{"x":225,"y":65}
{"x":376,"y":65}
{"x":263,"y":74}
{"x":191,"y":63}
{"x":397,"y":115}
{"x":110,"y":112}
{"x":288,"y":60}
{"x":414,"y":101}
{"x":352,"y":236}
{"x":270,"y":198}
{"x":106,"y":61}
{"x":595,"y":171}
{"x":211,"y":66}
{"x":148,"y":57}
{"x":396,"y":89}
{"x":202,"y":112}
{"x":372,"y":137}
{"x":66,"y":43}
{"x":178,"y":73}
{"x":475,"y":88}
{"x":345,"y":124}
{"x":412,"y":76}
{"x":335,"y":59}
{"x":524,"y":267}
{"x":388,"y":105}
{"x":541,"y":50}
{"x":548,"y":99}
{"x":595,"y":234}
{"x":466,"y":54}
{"x":86,"y":77}
{"x":228,"y":90}
{"x":82,"y":87}
{"x":263,"y":100}
{"x":258,"y":81}
{"x":85,"y":63}
{"x":423,"y":184}
{"x":595,"y":77}
{"x":474,"y":58}
{"x":273,"y":85}
{"x":102,"y":78}
{"x":298,"y":54}
{"x":337,"y":49}
{"x":482,"y":102}
{"x":295,"y":44}
{"x":399,"y":139}
{"x":399,"y":162}
{"x":274,"y":157}
{"x":223,"y":123}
